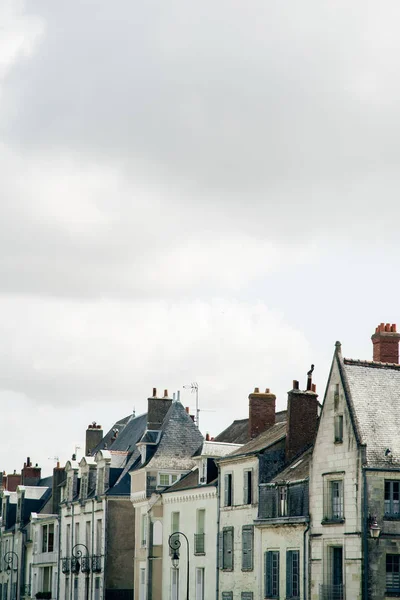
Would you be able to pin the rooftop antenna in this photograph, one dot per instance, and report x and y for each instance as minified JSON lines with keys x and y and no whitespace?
{"x":55,"y":458}
{"x":194,"y":387}
{"x":76,"y":450}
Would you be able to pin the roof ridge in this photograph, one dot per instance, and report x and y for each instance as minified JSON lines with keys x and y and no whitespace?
{"x":371,"y":363}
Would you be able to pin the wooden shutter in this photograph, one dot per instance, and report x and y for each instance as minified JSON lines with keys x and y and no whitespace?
{"x":221,"y":550}
{"x":247,"y":547}
{"x":245,"y":487}
{"x":268,"y":574}
{"x":228,"y":549}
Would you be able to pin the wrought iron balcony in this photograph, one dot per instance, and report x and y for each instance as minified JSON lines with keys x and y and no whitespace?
{"x":331,"y":592}
{"x":96,"y":564}
{"x":199,"y":543}
{"x":85,"y":564}
{"x":66,"y":565}
{"x":75,"y":566}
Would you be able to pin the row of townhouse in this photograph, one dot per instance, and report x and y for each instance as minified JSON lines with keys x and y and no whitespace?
{"x":298,"y":504}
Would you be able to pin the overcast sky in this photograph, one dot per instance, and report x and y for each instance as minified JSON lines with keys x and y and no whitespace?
{"x":189,"y":192}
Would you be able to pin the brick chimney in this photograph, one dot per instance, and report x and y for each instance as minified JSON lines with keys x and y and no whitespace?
{"x":261,"y":411}
{"x":386,"y":343}
{"x":302,"y":418}
{"x":94,"y":435}
{"x":12,"y":481}
{"x":30,"y":475}
{"x":157,"y":408}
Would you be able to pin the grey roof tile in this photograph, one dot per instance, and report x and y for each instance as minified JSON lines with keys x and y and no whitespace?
{"x":238,"y":430}
{"x":375,"y":399}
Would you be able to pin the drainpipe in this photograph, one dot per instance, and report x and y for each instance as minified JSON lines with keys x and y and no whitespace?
{"x":91,"y":570}
{"x":307,"y":529}
{"x":72,"y":581}
{"x":105,"y":512}
{"x":59,"y":555}
{"x":218,"y":520}
{"x":364,"y":536}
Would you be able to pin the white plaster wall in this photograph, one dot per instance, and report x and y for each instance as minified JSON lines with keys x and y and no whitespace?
{"x":236,"y":516}
{"x":187,"y":502}
{"x":331,"y":457}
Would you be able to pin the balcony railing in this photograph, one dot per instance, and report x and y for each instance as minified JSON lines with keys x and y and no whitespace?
{"x":331,"y":592}
{"x":199,"y":543}
{"x":66,"y":565}
{"x":84,"y":564}
{"x":96,"y":564}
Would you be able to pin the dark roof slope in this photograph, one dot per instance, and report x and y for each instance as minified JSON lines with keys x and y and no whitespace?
{"x":266,"y":439}
{"x":374,"y":390}
{"x":238,"y":431}
{"x":299,"y":469}
{"x":180,"y":439}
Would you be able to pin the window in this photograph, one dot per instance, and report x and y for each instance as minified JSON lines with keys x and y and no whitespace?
{"x":67,"y":588}
{"x":248,"y":487}
{"x":48,"y":538}
{"x":88,"y":535}
{"x":337,"y":499}
{"x":143,"y":530}
{"x":247,"y":547}
{"x":98,"y":537}
{"x":76,"y":540}
{"x":46,"y":579}
{"x":272,"y":574}
{"x":392,"y":498}
{"x":68,"y":539}
{"x":333,"y":500}
{"x":226,"y":549}
{"x":199,"y":547}
{"x":142,"y":584}
{"x":336,"y":396}
{"x":76,"y":588}
{"x":338,"y":429}
{"x":84,"y":486}
{"x":166,"y":479}
{"x":282,"y":496}
{"x":200,"y":584}
{"x":393,"y":573}
{"x":292,"y":574}
{"x":100,"y":482}
{"x":227,"y":595}
{"x":174,"y":584}
{"x":174,"y":529}
{"x":97,"y":588}
{"x":5,"y":590}
{"x":228,"y":489}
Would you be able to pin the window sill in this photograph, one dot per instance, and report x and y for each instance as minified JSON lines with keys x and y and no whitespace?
{"x":393,"y":594}
{"x":247,"y":570}
{"x":392,"y":518}
{"x":337,"y":442}
{"x":332,"y":521}
{"x":199,"y":553}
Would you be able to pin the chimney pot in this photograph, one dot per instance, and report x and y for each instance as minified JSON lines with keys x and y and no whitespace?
{"x":187,"y":409}
{"x":207,"y":437}
{"x":313,"y":388}
{"x":165,"y":393}
{"x":256,"y":390}
{"x":385,"y":342}
{"x":267,"y":390}
{"x":295,"y":384}
{"x":154,"y":392}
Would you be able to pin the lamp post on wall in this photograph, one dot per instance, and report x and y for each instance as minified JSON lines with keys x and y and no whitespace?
{"x":174,"y":543}
{"x":80,"y":562}
{"x":9,"y":560}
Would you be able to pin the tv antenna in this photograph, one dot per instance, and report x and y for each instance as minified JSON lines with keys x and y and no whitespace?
{"x":194,"y":387}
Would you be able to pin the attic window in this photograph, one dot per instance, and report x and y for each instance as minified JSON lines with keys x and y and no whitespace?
{"x":338,"y":429}
{"x":167,"y":479}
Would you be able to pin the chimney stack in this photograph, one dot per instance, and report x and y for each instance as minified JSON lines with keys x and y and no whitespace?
{"x":157,"y":408}
{"x":94,"y":435}
{"x":302,"y":417}
{"x":261,"y":411}
{"x":386,"y":344}
{"x":30,"y":475}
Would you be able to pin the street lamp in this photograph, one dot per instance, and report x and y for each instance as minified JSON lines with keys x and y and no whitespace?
{"x":175,"y":543}
{"x":374,"y":528}
{"x":79,"y":561}
{"x":9,"y":560}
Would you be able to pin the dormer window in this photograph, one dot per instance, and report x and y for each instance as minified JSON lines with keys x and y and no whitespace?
{"x":203,"y":471}
{"x":84,"y":486}
{"x":282,"y":495}
{"x":167,"y":479}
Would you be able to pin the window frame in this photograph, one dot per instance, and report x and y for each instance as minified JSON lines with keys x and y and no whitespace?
{"x":172,"y":478}
{"x":390,"y":589}
{"x":333,"y":501}
{"x":248,"y":491}
{"x":227,"y":532}
{"x":338,"y":429}
{"x":292,"y":578}
{"x":271,"y":580}
{"x":390,"y":483}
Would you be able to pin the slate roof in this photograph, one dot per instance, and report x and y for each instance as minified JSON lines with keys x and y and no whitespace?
{"x":266,"y":439}
{"x":130,"y":430}
{"x":188,"y":481}
{"x":180,"y":440}
{"x":373,"y":394}
{"x":238,"y":430}
{"x":298,"y":470}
